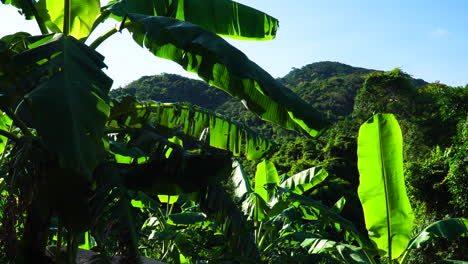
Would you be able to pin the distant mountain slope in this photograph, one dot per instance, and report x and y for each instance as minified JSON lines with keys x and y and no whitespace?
{"x":329,"y":86}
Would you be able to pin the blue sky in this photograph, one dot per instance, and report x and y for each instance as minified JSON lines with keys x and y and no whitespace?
{"x":428,"y":41}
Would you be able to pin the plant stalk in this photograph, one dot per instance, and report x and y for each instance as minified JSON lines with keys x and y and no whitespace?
{"x":102,"y":16}
{"x":107,"y":35}
{"x":66,"y":18}
{"x":38,"y":19}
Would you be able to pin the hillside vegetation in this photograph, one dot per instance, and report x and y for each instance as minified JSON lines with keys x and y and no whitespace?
{"x":433,"y":118}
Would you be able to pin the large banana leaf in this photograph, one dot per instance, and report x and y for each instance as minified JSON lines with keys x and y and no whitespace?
{"x":223,"y":66}
{"x":387,"y":211}
{"x":82,"y":15}
{"x":265,"y":176}
{"x":69,"y":108}
{"x":223,"y":17}
{"x":305,"y":180}
{"x":192,"y":121}
{"x":451,"y":229}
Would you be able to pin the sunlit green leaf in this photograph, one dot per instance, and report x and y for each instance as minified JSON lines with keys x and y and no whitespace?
{"x":265,"y":175}
{"x":387,"y":210}
{"x":225,"y":67}
{"x":223,"y":17}
{"x":83,"y":13}
{"x":305,"y":180}
{"x":169,"y":199}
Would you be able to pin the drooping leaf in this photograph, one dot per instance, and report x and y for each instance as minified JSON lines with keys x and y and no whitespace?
{"x":451,"y":229}
{"x":305,"y":180}
{"x":83,"y":13}
{"x":181,"y":172}
{"x":387,"y":211}
{"x":241,"y":181}
{"x":225,"y":67}
{"x":266,"y":175}
{"x":191,"y":121}
{"x":69,"y":108}
{"x":223,"y":17}
{"x":255,"y":207}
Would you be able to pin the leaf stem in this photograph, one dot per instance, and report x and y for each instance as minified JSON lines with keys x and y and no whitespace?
{"x":66,"y":18}
{"x":102,"y":16}
{"x":102,"y":38}
{"x":16,"y":121}
{"x":38,"y":19}
{"x":106,"y":35}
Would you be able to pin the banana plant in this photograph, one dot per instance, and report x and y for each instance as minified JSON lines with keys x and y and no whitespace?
{"x":387,"y":210}
{"x":69,"y":146}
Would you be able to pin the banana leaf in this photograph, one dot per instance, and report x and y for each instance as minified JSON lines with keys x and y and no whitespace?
{"x":221,"y":65}
{"x":387,"y":210}
{"x":82,"y":15}
{"x":450,"y":229}
{"x":70,"y":107}
{"x":223,"y":17}
{"x":265,"y":176}
{"x":305,"y":180}
{"x":192,"y":121}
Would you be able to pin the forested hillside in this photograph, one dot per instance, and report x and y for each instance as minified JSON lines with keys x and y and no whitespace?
{"x":433,"y":118}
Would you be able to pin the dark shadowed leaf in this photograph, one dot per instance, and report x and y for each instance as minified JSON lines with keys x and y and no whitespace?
{"x":186,"y":218}
{"x":70,"y":107}
{"x":451,"y":229}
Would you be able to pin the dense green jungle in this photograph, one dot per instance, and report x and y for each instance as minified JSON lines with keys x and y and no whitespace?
{"x":328,"y":164}
{"x":433,"y":118}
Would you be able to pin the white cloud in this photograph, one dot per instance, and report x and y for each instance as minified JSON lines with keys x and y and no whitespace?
{"x":440,"y":32}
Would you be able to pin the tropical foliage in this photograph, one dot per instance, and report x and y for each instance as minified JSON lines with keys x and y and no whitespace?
{"x":130,"y":177}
